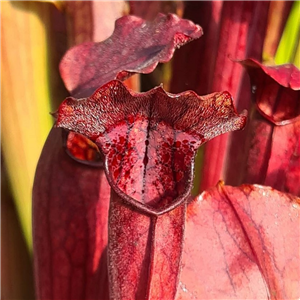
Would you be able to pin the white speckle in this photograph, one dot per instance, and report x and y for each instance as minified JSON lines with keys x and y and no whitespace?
{"x":183,"y":287}
{"x":259,"y":186}
{"x":263,"y":189}
{"x":295,"y":205}
{"x":200,"y":197}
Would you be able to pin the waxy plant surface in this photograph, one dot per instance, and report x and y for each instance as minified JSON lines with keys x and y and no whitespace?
{"x":113,"y":214}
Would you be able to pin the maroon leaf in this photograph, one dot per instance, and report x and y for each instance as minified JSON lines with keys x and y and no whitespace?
{"x":149,"y":142}
{"x":272,"y":150}
{"x":98,"y":25}
{"x":233,"y":29}
{"x":139,"y":133}
{"x":136,"y":46}
{"x":70,"y":214}
{"x":276,"y":90}
{"x":90,"y":21}
{"x":270,"y":154}
{"x":241,"y":243}
{"x":144,"y":254}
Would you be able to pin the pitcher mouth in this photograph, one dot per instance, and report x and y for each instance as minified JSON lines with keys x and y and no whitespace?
{"x":97,"y":162}
{"x":146,"y":208}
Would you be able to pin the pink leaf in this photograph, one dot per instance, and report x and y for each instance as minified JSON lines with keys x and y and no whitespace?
{"x":136,"y":46}
{"x":241,"y":243}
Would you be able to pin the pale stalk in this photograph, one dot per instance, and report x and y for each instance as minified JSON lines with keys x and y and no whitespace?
{"x":278,"y":14}
{"x":25,"y":98}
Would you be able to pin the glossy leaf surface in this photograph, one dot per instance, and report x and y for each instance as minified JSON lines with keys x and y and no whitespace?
{"x":276,"y":90}
{"x":136,"y":46}
{"x":274,"y":137}
{"x":149,"y":142}
{"x":241,"y":243}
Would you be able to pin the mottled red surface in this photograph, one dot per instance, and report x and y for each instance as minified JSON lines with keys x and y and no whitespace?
{"x":273,"y":156}
{"x":136,"y":46}
{"x":228,"y":243}
{"x":70,"y":213}
{"x":149,"y":139}
{"x":70,"y":200}
{"x":241,"y":243}
{"x":81,"y":148}
{"x":149,"y":142}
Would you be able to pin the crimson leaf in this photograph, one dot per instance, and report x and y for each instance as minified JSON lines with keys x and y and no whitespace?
{"x":136,"y":46}
{"x":152,"y":135}
{"x":233,"y":29}
{"x":70,"y":212}
{"x":274,"y":140}
{"x":149,"y":142}
{"x":276,"y":89}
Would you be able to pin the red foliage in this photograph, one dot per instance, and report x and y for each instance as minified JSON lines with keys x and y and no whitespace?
{"x":81,"y":149}
{"x":149,"y":139}
{"x":232,"y":30}
{"x":70,"y":211}
{"x":246,"y":239}
{"x":136,"y":46}
{"x":273,"y":154}
{"x":70,"y":199}
{"x":231,"y":243}
{"x":149,"y":142}
{"x":144,"y":252}
{"x":276,"y":90}
{"x":241,"y":243}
